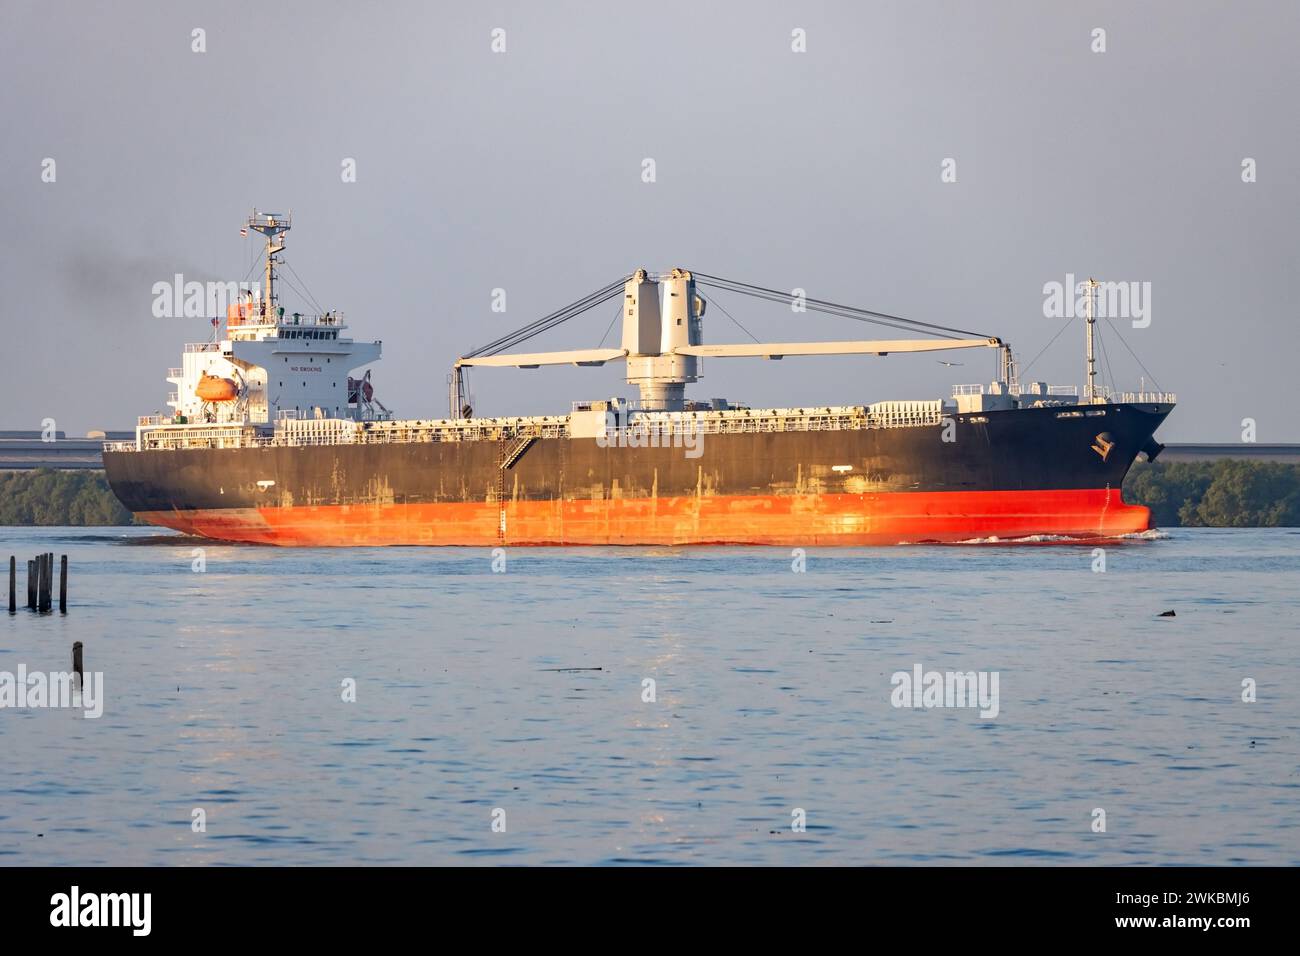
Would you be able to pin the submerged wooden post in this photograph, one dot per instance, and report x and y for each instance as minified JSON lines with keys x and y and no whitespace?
{"x":13,"y":584}
{"x":76,"y":663}
{"x":31,"y":585}
{"x":49,"y":580}
{"x":63,"y":584}
{"x":42,"y":582}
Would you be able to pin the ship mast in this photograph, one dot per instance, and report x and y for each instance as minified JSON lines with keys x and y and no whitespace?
{"x":1090,"y":388}
{"x":273,"y":226}
{"x":1007,"y":367}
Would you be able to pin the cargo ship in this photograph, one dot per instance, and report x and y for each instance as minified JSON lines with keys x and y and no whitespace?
{"x":275,"y":436}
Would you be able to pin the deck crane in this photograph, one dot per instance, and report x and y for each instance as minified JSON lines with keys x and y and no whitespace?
{"x":663,"y":340}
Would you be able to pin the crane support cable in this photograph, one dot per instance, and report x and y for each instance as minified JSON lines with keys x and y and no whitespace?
{"x":551,"y":320}
{"x":541,"y":326}
{"x":734,"y":320}
{"x":847,"y":314}
{"x":834,"y":308}
{"x":305,"y":292}
{"x":1131,"y":352}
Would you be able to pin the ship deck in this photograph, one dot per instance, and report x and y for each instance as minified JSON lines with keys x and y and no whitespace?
{"x":156,"y":433}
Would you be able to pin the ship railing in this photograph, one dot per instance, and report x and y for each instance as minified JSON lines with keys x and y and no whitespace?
{"x":258,"y":318}
{"x":1145,"y":398}
{"x":977,"y":389}
{"x":200,"y":436}
{"x":469,"y":429}
{"x":314,"y":431}
{"x":202,"y":347}
{"x":800,"y":420}
{"x":328,"y":319}
{"x":255,"y":321}
{"x":1032,"y":389}
{"x":175,"y":373}
{"x":163,"y":432}
{"x":296,"y":441}
{"x":291,"y":432}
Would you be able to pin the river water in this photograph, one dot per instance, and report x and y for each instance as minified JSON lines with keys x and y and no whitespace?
{"x":504,"y":716}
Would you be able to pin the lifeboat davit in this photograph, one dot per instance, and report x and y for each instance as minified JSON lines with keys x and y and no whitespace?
{"x":214,"y":389}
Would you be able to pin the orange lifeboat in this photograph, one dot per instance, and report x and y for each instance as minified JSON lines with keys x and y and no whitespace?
{"x":214,"y":389}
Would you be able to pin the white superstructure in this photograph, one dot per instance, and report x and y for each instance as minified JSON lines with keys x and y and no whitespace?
{"x":272,"y":365}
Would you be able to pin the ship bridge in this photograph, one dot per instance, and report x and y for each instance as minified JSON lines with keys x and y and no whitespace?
{"x":272,"y":364}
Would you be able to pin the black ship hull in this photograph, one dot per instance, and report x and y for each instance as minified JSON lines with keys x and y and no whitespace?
{"x":1033,"y":471}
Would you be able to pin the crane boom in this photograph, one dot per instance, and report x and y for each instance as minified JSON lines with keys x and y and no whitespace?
{"x":663,"y":338}
{"x":534,"y":359}
{"x":772,"y":350}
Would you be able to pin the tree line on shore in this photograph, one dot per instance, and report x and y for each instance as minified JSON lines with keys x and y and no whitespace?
{"x":1229,"y":493}
{"x":68,"y":498}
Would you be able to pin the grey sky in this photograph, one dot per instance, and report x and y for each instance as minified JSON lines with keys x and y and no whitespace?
{"x":522,"y":171}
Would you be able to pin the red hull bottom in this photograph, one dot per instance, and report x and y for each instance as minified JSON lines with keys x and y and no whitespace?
{"x":840,"y":519}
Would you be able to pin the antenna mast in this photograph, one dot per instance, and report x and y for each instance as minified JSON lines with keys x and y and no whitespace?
{"x":1090,"y":389}
{"x":273,"y":226}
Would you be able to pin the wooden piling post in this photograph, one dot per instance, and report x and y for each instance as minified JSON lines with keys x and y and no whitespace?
{"x":63,"y":584}
{"x":49,"y":581}
{"x":13,"y":584}
{"x":31,"y":585}
{"x":42,"y":583}
{"x":76,"y":663}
